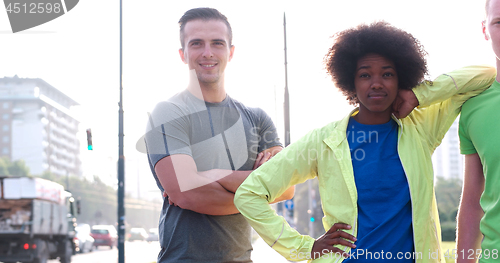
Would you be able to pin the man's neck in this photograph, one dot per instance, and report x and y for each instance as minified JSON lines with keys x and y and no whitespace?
{"x":209,"y":93}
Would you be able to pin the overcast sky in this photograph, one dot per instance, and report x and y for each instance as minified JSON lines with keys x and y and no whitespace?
{"x":78,"y":53}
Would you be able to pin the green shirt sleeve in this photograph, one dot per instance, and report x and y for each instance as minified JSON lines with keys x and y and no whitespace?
{"x":466,"y":145}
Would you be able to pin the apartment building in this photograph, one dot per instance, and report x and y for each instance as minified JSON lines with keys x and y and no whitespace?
{"x":36,"y":125}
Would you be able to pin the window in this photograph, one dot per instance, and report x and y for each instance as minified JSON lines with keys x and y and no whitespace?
{"x":5,"y":139}
{"x":6,"y":116}
{"x":5,"y":127}
{"x":5,"y":105}
{"x":5,"y":150}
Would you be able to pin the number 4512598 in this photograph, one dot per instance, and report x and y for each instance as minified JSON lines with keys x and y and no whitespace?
{"x":471,"y":254}
{"x":34,"y":8}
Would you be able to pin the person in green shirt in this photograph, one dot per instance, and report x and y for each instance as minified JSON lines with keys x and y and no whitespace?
{"x":478,"y":232}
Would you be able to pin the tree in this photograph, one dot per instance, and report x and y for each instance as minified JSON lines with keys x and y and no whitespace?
{"x":4,"y":165}
{"x":50,"y":176}
{"x":448,"y":197}
{"x":16,"y":168}
{"x":19,"y":168}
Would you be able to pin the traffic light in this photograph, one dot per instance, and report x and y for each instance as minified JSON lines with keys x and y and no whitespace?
{"x":89,"y":140}
{"x":289,"y":205}
{"x":311,"y":215}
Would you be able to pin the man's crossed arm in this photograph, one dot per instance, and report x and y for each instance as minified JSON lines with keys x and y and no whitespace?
{"x":213,"y":197}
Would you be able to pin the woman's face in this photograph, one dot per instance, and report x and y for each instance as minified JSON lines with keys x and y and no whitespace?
{"x":376,"y":83}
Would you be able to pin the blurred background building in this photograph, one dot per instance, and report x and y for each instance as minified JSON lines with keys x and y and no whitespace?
{"x":36,"y":126}
{"x":447,"y":160}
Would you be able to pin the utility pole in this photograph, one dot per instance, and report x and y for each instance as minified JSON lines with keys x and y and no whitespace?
{"x":288,"y":212}
{"x":287,"y":138}
{"x":310,"y":211}
{"x":121,"y":163}
{"x":287,"y":99}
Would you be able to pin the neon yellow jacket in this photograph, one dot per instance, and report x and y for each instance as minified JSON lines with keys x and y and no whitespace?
{"x":324,"y":154}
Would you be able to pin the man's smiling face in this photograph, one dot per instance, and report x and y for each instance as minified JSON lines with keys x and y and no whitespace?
{"x":207,"y":49}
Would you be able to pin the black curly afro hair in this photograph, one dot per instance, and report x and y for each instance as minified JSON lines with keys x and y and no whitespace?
{"x":381,"y":38}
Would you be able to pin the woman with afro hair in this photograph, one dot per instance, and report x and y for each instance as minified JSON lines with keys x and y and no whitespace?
{"x":374,"y":166}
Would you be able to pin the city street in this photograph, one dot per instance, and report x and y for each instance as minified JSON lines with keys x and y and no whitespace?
{"x":262,"y":253}
{"x":144,"y":252}
{"x":135,"y":252}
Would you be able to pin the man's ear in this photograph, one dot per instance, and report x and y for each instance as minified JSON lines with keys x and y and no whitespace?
{"x":485,"y":32}
{"x":181,"y":53}
{"x":231,"y":52}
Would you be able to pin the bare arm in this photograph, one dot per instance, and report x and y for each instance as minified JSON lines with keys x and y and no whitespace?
{"x":231,"y":183}
{"x":470,"y":212}
{"x":290,"y":192}
{"x":287,"y":195}
{"x":190,"y":190}
{"x":201,"y":191}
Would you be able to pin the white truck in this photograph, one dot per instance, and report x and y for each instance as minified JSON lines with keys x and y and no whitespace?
{"x":37,"y":221}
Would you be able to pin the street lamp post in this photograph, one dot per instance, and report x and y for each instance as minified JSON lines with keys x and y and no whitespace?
{"x":121,"y":163}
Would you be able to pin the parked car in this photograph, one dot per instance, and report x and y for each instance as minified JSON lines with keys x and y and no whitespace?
{"x":138,"y":234}
{"x":84,"y":241}
{"x":153,"y":235}
{"x":104,"y":235}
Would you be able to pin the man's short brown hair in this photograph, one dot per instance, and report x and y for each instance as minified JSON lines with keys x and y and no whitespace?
{"x":205,"y":14}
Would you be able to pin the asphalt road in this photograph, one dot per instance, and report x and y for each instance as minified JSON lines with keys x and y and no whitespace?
{"x":135,"y":252}
{"x":144,"y":252}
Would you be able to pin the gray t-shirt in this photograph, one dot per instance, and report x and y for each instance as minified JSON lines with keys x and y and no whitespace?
{"x":225,"y":135}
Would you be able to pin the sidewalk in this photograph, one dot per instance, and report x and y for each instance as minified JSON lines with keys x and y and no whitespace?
{"x":262,"y":253}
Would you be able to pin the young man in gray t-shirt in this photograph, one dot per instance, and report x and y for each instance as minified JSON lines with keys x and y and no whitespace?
{"x":201,"y":145}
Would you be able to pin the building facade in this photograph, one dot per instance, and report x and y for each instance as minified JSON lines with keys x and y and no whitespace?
{"x":36,"y":126}
{"x":447,"y":160}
